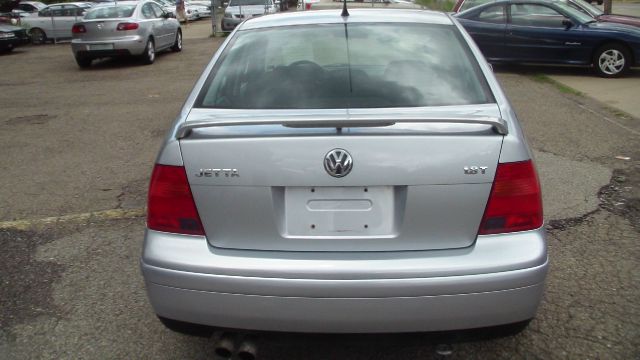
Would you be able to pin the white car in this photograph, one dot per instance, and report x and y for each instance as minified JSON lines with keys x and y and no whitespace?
{"x":239,"y":10}
{"x":55,"y":21}
{"x":170,"y":6}
{"x":201,"y":10}
{"x":29,"y":8}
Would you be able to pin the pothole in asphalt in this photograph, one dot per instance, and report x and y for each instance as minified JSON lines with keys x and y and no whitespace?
{"x":27,"y":283}
{"x":622,"y":195}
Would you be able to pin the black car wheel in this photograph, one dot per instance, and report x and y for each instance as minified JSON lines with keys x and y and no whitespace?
{"x":83,"y":62}
{"x":177,"y":45}
{"x":611,"y":60}
{"x":37,"y":36}
{"x":149,"y":55}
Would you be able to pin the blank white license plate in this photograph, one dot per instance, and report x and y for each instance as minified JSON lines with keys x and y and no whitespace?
{"x":340,"y":211}
{"x":101,"y":47}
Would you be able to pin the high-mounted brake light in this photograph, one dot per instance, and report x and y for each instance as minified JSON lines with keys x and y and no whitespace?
{"x":171,"y":207}
{"x":127,"y":26}
{"x":78,"y":29}
{"x":515,"y":202}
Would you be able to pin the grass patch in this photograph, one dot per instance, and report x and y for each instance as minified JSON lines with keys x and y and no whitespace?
{"x":438,"y":5}
{"x":561,"y":87}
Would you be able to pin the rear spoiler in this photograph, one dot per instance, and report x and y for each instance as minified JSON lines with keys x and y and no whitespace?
{"x":498,"y":124}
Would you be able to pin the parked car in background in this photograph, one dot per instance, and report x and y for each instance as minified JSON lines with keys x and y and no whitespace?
{"x":360,"y":173}
{"x":170,"y":6}
{"x":581,"y":5}
{"x":552,"y":33}
{"x":130,"y":28}
{"x":239,"y":10}
{"x":30,"y":7}
{"x":201,"y":11}
{"x":55,"y":21}
{"x":12,"y":36}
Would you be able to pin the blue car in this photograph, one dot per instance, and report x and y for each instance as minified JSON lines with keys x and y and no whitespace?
{"x":552,"y":33}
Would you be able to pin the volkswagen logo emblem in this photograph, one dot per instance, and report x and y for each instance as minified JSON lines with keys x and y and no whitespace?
{"x":338,"y":163}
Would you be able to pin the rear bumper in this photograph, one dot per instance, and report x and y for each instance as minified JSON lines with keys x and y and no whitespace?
{"x":384,"y":292}
{"x":132,"y":45}
{"x":13,"y":42}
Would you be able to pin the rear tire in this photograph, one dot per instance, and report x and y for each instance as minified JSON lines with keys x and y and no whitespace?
{"x":83,"y":62}
{"x":611,"y":60}
{"x":149,"y":55}
{"x":177,"y":45}
{"x":37,"y":36}
{"x":186,"y":328}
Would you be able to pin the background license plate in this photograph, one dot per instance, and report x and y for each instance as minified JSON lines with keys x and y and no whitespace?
{"x":101,"y":47}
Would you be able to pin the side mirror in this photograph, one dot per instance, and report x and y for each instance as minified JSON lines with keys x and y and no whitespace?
{"x":568,"y":24}
{"x":168,"y":15}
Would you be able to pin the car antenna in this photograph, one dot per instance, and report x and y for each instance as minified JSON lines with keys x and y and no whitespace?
{"x":345,"y":12}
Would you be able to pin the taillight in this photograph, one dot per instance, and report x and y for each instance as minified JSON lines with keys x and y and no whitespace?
{"x":127,"y":26}
{"x":515,"y":203}
{"x":171,"y":207}
{"x":78,"y":29}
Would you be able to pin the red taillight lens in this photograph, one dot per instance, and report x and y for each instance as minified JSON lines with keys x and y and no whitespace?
{"x":515,"y":203}
{"x":78,"y":29}
{"x":171,"y":207}
{"x":127,"y":26}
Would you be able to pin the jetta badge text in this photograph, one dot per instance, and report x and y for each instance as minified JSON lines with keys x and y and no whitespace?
{"x":218,"y":173}
{"x":472,"y":170}
{"x":338,"y":163}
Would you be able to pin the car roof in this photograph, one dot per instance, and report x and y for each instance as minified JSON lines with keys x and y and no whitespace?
{"x":355,"y":16}
{"x":82,"y":4}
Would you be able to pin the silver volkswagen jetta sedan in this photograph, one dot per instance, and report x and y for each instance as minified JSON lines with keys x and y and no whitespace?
{"x":360,"y":173}
{"x":125,"y":28}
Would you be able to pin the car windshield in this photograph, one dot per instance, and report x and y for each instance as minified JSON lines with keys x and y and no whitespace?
{"x":576,"y":14}
{"x":110,"y":12}
{"x":342,"y":66}
{"x":246,"y":2}
{"x":589,"y":8}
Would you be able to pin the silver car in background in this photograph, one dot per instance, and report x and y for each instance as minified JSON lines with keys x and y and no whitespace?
{"x":238,"y":11}
{"x":360,"y":173}
{"x":128,"y":28}
{"x":55,"y":21}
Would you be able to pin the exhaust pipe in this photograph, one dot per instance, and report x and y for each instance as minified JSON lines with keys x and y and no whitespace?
{"x":247,"y":349}
{"x":225,"y":346}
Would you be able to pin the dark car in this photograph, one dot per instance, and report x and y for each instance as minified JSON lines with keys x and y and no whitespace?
{"x":12,"y":36}
{"x":581,"y":5}
{"x":551,"y":32}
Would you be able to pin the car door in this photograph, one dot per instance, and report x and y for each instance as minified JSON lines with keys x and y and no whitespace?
{"x":539,"y":33}
{"x":168,"y":27}
{"x":154,"y":22}
{"x":64,"y":16}
{"x":487,"y":27}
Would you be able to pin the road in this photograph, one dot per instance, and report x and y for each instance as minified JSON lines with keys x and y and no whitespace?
{"x":78,"y":148}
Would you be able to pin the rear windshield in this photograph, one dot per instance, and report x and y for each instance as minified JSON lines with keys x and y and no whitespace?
{"x":340,"y":66}
{"x":110,"y":12}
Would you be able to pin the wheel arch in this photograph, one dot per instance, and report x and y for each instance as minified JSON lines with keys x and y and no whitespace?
{"x":39,"y":29}
{"x":612,"y":41}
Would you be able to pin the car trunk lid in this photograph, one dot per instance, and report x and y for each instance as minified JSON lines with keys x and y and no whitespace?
{"x":412,"y":185}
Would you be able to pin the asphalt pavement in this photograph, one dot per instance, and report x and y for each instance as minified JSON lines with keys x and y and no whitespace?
{"x":78,"y":149}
